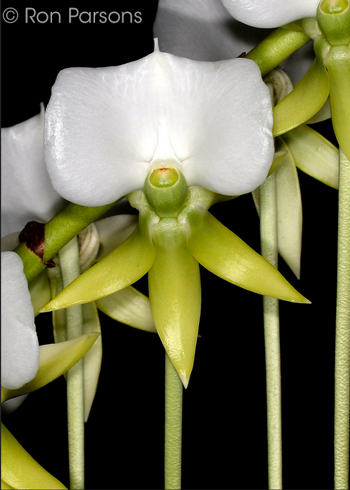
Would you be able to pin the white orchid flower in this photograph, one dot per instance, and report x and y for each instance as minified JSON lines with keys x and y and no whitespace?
{"x":270,"y":13}
{"x":205,"y":30}
{"x":107,"y":128}
{"x":19,"y":341}
{"x":26,"y":191}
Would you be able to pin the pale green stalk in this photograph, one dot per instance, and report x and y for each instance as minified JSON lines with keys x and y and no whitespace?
{"x":269,"y":250}
{"x":70,"y":267}
{"x":342,"y":346}
{"x":173,"y":427}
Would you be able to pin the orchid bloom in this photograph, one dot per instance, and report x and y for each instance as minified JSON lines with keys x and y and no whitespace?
{"x":174,"y":135}
{"x":19,"y":341}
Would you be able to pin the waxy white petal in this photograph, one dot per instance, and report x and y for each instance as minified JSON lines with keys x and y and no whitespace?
{"x":107,"y":127}
{"x":19,"y":341}
{"x":270,"y":13}
{"x":26,"y":191}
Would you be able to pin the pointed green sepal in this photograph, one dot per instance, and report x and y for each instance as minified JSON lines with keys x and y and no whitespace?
{"x":93,"y":357}
{"x":222,"y":252}
{"x":314,"y":154}
{"x":19,"y":470}
{"x":289,"y":211}
{"x":119,"y":269}
{"x":175,"y":295}
{"x":338,"y":66}
{"x":128,"y":306}
{"x":305,"y":100}
{"x":54,"y":360}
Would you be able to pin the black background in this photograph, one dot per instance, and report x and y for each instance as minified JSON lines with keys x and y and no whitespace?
{"x":224,"y":425}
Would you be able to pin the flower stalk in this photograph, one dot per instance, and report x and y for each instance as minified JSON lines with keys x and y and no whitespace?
{"x":70,"y":267}
{"x":173,"y":427}
{"x":342,"y":348}
{"x":269,"y":250}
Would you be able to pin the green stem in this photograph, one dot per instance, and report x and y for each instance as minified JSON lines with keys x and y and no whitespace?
{"x":342,"y":345}
{"x":276,"y":47}
{"x":269,"y":250}
{"x":173,"y":427}
{"x":69,"y":263}
{"x":58,"y":231}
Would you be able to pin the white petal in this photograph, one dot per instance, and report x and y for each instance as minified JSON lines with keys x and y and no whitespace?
{"x":270,"y":13}
{"x":104,"y":126}
{"x":26,"y":191}
{"x":202,"y":30}
{"x":19,"y":341}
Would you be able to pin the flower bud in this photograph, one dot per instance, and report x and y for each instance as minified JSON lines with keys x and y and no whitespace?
{"x":166,"y":191}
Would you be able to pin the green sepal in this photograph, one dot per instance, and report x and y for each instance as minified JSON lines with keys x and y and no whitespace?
{"x":40,"y":291}
{"x":278,"y":46}
{"x":19,"y":470}
{"x":305,"y":100}
{"x":119,"y":269}
{"x":54,"y":360}
{"x":93,"y":357}
{"x":128,"y":306}
{"x":314,"y":154}
{"x":222,"y":252}
{"x":338,"y":66}
{"x":289,"y":209}
{"x":175,"y":296}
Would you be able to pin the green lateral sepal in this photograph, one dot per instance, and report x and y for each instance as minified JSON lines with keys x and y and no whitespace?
{"x":119,"y":269}
{"x":19,"y":470}
{"x":289,"y":210}
{"x":128,"y":306}
{"x":222,"y":252}
{"x":175,"y":295}
{"x":314,"y":154}
{"x":305,"y":100}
